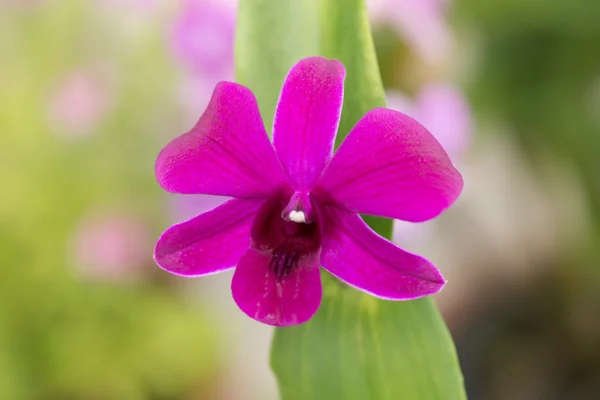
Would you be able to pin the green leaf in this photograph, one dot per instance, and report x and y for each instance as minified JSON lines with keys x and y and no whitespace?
{"x":356,"y":346}
{"x":271,"y":36}
{"x":360,"y":347}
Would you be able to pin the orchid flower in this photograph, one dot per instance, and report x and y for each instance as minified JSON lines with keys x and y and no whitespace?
{"x":295,"y":205}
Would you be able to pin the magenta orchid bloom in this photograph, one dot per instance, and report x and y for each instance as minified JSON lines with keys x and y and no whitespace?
{"x":295,"y":206}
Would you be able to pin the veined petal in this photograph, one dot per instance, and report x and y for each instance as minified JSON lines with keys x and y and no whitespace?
{"x":390,"y":165}
{"x":227,"y":153}
{"x":291,"y":300}
{"x":358,"y":256}
{"x":307,"y":118}
{"x":209,"y":243}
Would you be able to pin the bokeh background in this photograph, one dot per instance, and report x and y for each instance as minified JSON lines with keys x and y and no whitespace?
{"x":90,"y":91}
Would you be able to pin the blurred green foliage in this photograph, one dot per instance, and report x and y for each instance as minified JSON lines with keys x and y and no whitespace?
{"x":62,"y":336}
{"x":539,"y":72}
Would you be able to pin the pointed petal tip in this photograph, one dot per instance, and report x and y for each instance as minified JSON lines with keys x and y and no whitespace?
{"x":168,"y":259}
{"x":358,"y":256}
{"x":161,"y":170}
{"x":165,"y":261}
{"x":428,"y":288}
{"x":429,"y":282}
{"x":422,"y":289}
{"x":209,"y":243}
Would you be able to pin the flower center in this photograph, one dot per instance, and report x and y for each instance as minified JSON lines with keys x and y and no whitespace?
{"x":297,"y":216}
{"x":299,"y":209}
{"x":284,"y":259}
{"x":287,"y":230}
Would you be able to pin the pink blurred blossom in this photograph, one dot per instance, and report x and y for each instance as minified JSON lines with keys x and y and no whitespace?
{"x":202,"y":37}
{"x":78,"y":102}
{"x":443,"y":110}
{"x":422,"y":23}
{"x":446,"y":113}
{"x":110,"y":246}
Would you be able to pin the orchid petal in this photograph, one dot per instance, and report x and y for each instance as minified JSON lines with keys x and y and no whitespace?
{"x":307,"y":118}
{"x":358,"y":256}
{"x":209,"y":243}
{"x":227,"y":153}
{"x":390,"y":165}
{"x":289,"y":300}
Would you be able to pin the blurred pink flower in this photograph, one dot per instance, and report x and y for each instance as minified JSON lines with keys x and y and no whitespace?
{"x":110,"y":246}
{"x":444,"y":111}
{"x":422,"y":23}
{"x":78,"y":103}
{"x":202,"y":37}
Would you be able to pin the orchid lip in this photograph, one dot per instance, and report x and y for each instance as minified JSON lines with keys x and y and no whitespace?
{"x":286,"y":231}
{"x":284,"y":261}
